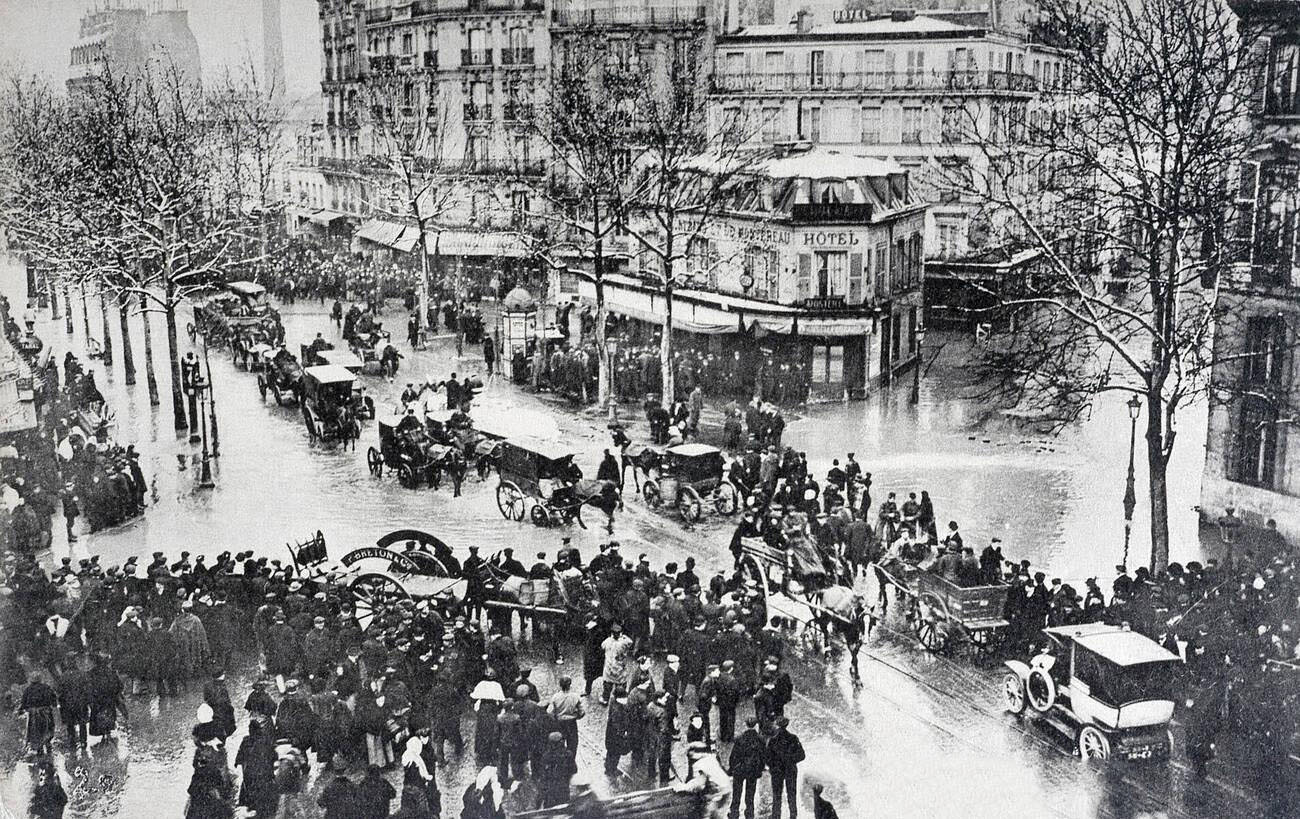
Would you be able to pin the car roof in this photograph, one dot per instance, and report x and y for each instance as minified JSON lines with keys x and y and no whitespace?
{"x":341,"y":358}
{"x":246,"y":288}
{"x":330,"y":374}
{"x":692,"y":450}
{"x":1116,"y":644}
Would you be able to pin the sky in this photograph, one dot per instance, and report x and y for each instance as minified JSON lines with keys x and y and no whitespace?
{"x":36,"y":35}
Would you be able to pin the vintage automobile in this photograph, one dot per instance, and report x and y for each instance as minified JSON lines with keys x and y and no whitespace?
{"x":239,"y":313}
{"x":1107,"y":688}
{"x":685,"y":477}
{"x":281,"y":376}
{"x":327,"y":404}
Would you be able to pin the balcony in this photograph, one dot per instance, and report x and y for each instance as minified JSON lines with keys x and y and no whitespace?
{"x":384,"y":63}
{"x":477,"y":113}
{"x":883,"y":81}
{"x":431,"y":59}
{"x":481,"y":58}
{"x":831,"y":213}
{"x":379,"y":15}
{"x":518,"y":112}
{"x":630,"y":16}
{"x":517,"y":57}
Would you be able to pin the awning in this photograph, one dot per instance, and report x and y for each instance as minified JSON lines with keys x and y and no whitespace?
{"x":326,"y":217}
{"x":380,"y":232}
{"x":407,"y":241}
{"x":476,"y":243}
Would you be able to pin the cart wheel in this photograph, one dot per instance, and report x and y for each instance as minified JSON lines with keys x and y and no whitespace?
{"x":538,"y":515}
{"x":689,"y":505}
{"x":931,"y":636}
{"x":275,"y":393}
{"x":985,"y":639}
{"x":371,"y":594}
{"x":1093,"y":743}
{"x":261,"y":386}
{"x":309,"y":421}
{"x":375,"y":461}
{"x":510,"y":500}
{"x":650,"y":491}
{"x":726,"y":499}
{"x":1013,"y":692}
{"x":406,"y":477}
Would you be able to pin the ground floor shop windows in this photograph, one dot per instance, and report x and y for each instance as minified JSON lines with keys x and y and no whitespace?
{"x":827,"y":365}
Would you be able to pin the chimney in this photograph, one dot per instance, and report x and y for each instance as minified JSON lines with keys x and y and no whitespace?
{"x":902,"y":15}
{"x":802,"y":21}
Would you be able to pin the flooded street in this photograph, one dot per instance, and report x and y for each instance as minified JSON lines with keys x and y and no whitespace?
{"x":918,"y":736}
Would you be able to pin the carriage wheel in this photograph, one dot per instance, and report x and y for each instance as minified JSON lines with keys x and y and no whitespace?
{"x":406,"y":476}
{"x":650,"y":491}
{"x":375,"y":461}
{"x":726,"y":499}
{"x":372,"y":594}
{"x":689,"y":505}
{"x":930,"y":635}
{"x":510,"y":500}
{"x":1013,"y":692}
{"x":309,"y":420}
{"x":275,"y":393}
{"x":538,"y":515}
{"x":985,"y":639}
{"x":261,"y":386}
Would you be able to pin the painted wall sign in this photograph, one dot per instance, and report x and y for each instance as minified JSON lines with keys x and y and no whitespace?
{"x":399,"y":561}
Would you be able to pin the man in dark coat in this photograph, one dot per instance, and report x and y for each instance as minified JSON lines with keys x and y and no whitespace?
{"x":727,"y":694}
{"x":340,"y":799}
{"x":74,"y":704}
{"x":374,"y":795}
{"x":784,"y":753}
{"x":746,"y":766}
{"x":294,"y":718}
{"x":556,"y":768}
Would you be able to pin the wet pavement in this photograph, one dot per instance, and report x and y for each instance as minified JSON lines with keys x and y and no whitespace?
{"x":920,"y":735}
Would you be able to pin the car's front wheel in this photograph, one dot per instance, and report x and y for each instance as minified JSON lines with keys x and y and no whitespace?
{"x":1093,"y":743}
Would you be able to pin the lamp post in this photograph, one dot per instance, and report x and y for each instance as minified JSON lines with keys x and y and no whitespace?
{"x":916,"y":369}
{"x":205,"y":467}
{"x":212,"y":401}
{"x":1134,"y":405}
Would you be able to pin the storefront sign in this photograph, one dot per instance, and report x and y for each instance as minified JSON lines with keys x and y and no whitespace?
{"x":831,"y":238}
{"x":824,"y":303}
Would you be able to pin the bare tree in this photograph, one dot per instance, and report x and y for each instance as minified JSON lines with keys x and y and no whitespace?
{"x":405,"y":123}
{"x":1117,"y":180}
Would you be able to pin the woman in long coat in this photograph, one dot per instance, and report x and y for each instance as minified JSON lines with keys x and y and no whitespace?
{"x":105,"y":693}
{"x":191,"y":642}
{"x":256,"y":757}
{"x":39,"y":703}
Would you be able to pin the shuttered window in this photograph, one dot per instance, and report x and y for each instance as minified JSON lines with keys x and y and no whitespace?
{"x":804,"y":282}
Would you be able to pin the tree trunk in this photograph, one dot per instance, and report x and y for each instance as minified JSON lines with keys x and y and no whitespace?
{"x":605,"y":367}
{"x":67,"y":311}
{"x":108,"y":337}
{"x":666,"y":341}
{"x":422,"y":292}
{"x":1158,"y":483}
{"x":149,"y":376}
{"x":179,"y":421}
{"x":128,"y":355}
{"x":51,"y":291}
{"x":85,"y":312}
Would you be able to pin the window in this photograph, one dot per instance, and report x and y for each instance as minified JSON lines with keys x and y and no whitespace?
{"x":911,"y":124}
{"x":814,"y":130}
{"x":803,"y":289}
{"x":915,"y":66}
{"x":1282,"y":96}
{"x":817,"y":69}
{"x":734,"y":64}
{"x":621,"y":54}
{"x":771,"y":124}
{"x":518,"y":207}
{"x":522,"y":149}
{"x":832,"y":267}
{"x":951,"y":125}
{"x":518,"y":41}
{"x":683,"y":55}
{"x":1256,"y":443}
{"x":873,"y":63}
{"x":1264,"y":354}
{"x":1275,"y":224}
{"x":476,"y":151}
{"x":855,"y":278}
{"x":949,"y":235}
{"x":882,"y":253}
{"x":871,"y":125}
{"x":408,"y":43}
{"x":827,"y":364}
{"x":774,"y":70}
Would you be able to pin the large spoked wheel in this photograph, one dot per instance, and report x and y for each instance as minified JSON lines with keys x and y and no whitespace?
{"x":374,"y":461}
{"x":726,"y":499}
{"x":261,"y":385}
{"x":689,"y":505}
{"x":275,"y":393}
{"x":985,"y":639}
{"x":538,"y":515}
{"x":372,"y":594}
{"x":510,"y":500}
{"x":406,"y":477}
{"x":309,"y":420}
{"x":1013,"y":692}
{"x":931,"y":635}
{"x":650,"y":491}
{"x":1093,"y":743}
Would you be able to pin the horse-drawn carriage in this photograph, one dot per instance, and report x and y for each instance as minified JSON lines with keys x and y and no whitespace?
{"x":686,"y":477}
{"x":942,"y":613}
{"x":800,"y":586}
{"x":480,"y":446}
{"x":407,"y":448}
{"x":328,"y":405}
{"x":565,"y":593}
{"x":378,"y":577}
{"x":368,"y":348}
{"x":239,"y":314}
{"x":281,"y":376}
{"x":540,"y":481}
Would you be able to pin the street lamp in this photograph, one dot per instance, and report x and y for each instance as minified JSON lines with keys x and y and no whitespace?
{"x":212,"y":401}
{"x":1134,"y":405}
{"x":205,"y":469}
{"x":916,"y":370}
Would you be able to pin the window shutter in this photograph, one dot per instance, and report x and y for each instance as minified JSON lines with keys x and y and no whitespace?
{"x":805,"y":276}
{"x":1245,"y":215}
{"x":1261,"y":65}
{"x":889,"y":69}
{"x":855,"y":278}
